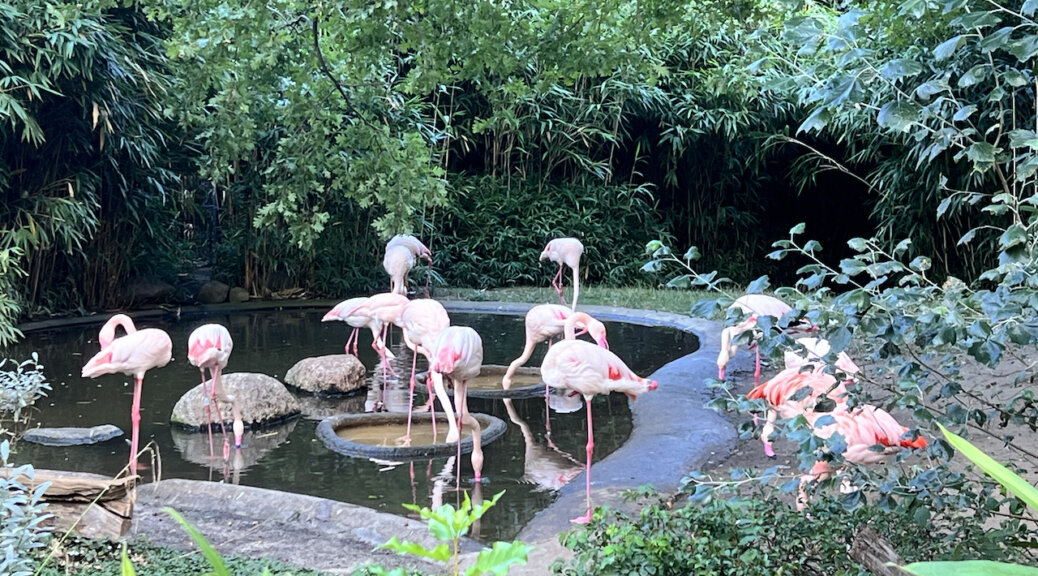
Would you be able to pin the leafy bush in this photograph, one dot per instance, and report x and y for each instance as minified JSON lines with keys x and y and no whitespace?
{"x":755,"y":535}
{"x":20,"y":388}
{"x":494,"y":230}
{"x":23,"y":511}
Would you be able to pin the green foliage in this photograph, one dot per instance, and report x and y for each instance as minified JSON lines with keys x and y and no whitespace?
{"x":493,"y":233}
{"x":758,"y":534}
{"x":20,"y":388}
{"x":449,"y":525}
{"x":21,"y":532}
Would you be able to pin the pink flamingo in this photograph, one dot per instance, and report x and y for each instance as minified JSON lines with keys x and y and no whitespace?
{"x":871,"y":435}
{"x":755,"y":305}
{"x":422,"y":321}
{"x":589,"y":370}
{"x":346,"y":311}
{"x":209,"y":346}
{"x":132,"y":354}
{"x":565,"y":251}
{"x":382,"y":310}
{"x":546,"y":321}
{"x":458,"y":354}
{"x":780,"y":393}
{"x":401,"y":252}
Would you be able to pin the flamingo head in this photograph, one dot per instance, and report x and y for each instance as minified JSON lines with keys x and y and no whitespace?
{"x":597,"y":331}
{"x":330,"y":316}
{"x":546,"y":253}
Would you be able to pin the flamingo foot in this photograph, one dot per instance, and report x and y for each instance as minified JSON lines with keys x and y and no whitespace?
{"x":583,"y":519}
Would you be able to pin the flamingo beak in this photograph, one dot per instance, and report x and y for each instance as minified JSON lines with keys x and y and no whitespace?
{"x":329,"y":317}
{"x":653,"y":384}
{"x":603,"y":342}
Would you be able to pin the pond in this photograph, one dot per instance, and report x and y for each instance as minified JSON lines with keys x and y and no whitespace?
{"x":528,"y":464}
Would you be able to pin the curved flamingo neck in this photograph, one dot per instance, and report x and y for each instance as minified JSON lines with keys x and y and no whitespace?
{"x":107,"y":335}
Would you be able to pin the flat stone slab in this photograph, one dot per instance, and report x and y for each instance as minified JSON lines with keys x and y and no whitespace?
{"x":72,"y":436}
{"x":333,"y":537}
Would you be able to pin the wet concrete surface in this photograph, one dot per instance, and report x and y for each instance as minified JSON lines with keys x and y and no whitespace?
{"x":673,"y":434}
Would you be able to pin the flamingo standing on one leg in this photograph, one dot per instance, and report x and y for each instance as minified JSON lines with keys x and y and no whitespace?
{"x":209,"y":346}
{"x":132,"y":354}
{"x":346,"y":311}
{"x":756,"y":305}
{"x":565,"y":251}
{"x":401,"y":252}
{"x":871,"y":435}
{"x":422,"y":321}
{"x":545,"y":321}
{"x":458,"y":354}
{"x":780,"y":393}
{"x":589,"y":370}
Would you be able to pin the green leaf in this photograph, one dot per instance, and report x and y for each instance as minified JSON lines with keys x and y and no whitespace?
{"x":798,"y":229}
{"x":1020,"y":488}
{"x":974,"y":75}
{"x":500,"y":558}
{"x":441,"y":553}
{"x":210,"y":553}
{"x":1015,"y":78}
{"x":977,"y":19}
{"x":932,"y":87}
{"x":996,"y":39}
{"x":683,"y":281}
{"x":898,"y":115}
{"x":1024,"y":48}
{"x":1029,"y":7}
{"x":901,"y":68}
{"x":969,"y":568}
{"x":817,"y":120}
{"x":1015,"y":234}
{"x":127,"y":566}
{"x":759,"y":285}
{"x":692,"y":254}
{"x":945,"y":49}
{"x":964,"y":113}
{"x":981,"y":153}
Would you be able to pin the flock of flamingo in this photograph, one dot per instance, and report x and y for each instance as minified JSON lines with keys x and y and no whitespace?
{"x":455,"y":353}
{"x":871,"y":434}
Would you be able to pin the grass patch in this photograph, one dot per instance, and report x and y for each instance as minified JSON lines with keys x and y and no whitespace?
{"x":658,"y":299}
{"x":87,"y":557}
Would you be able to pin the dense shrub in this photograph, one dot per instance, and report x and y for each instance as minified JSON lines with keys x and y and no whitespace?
{"x":759,"y":536}
{"x":494,"y":230}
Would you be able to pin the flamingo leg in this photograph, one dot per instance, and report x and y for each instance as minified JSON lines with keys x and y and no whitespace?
{"x":756,"y":369}
{"x":576,"y":286}
{"x":590,"y":448}
{"x":410,"y":400}
{"x":556,"y":283}
{"x":217,"y":395}
{"x":239,"y":425}
{"x":354,"y":336}
{"x":547,"y":410}
{"x":135,"y":418}
{"x":208,"y":413}
{"x":765,"y":433}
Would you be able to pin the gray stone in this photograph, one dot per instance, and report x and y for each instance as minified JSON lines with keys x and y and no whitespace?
{"x":213,"y":292}
{"x":238,"y":295}
{"x":331,"y":374}
{"x":262,"y":399}
{"x":72,"y":436}
{"x":150,"y":290}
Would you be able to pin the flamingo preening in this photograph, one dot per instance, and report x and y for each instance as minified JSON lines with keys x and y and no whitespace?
{"x":401,"y":252}
{"x":565,"y":251}
{"x":458,"y":354}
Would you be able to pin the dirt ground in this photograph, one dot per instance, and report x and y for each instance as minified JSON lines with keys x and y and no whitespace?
{"x":982,"y":387}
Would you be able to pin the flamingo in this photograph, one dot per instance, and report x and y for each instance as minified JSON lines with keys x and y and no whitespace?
{"x":871,"y":435}
{"x":132,"y":354}
{"x":589,"y":370}
{"x":209,"y":346}
{"x":346,"y":311}
{"x":780,"y":393}
{"x":381,"y":310}
{"x":458,"y":354}
{"x":401,"y":252}
{"x":422,"y":321}
{"x":816,"y":349}
{"x":565,"y":251}
{"x":549,"y":468}
{"x":755,"y":305}
{"x":548,"y":320}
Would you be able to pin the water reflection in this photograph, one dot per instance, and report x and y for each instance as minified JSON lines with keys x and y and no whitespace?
{"x":544,"y":465}
{"x":194,"y":447}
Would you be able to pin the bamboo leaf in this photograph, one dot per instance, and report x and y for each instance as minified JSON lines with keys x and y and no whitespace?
{"x":969,"y":568}
{"x":1006,"y":477}
{"x":210,"y":553}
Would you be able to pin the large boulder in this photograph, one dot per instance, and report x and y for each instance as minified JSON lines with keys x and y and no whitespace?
{"x":238,"y":295}
{"x":150,"y":291}
{"x":331,"y":374}
{"x":263,"y":401}
{"x":213,"y":292}
{"x":72,"y":436}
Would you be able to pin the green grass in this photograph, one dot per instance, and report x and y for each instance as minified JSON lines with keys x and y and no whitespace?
{"x":88,"y":557}
{"x":659,"y":299}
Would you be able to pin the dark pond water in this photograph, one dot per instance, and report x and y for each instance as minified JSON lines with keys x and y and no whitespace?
{"x":524,"y":463}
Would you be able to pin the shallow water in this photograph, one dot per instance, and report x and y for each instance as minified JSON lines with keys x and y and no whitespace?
{"x":525,"y":462}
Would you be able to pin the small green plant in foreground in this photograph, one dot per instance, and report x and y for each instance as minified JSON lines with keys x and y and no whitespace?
{"x":449,"y":525}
